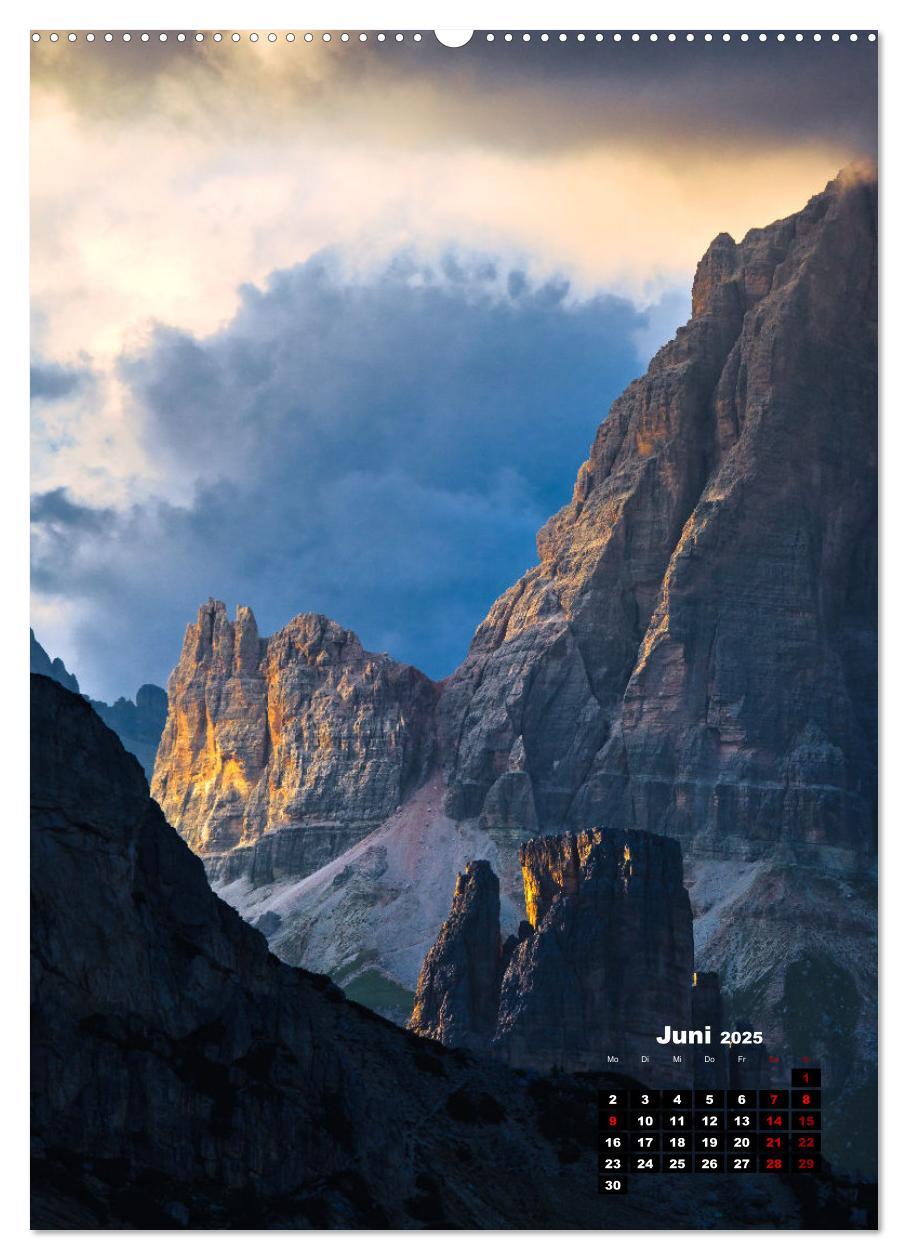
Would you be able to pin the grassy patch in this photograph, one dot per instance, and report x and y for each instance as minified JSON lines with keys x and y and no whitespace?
{"x":370,"y":988}
{"x":342,"y":974}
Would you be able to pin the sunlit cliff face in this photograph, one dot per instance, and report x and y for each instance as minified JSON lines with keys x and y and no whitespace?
{"x":303,"y":739}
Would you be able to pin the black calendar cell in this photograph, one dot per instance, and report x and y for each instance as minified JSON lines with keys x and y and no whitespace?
{"x":612,"y":1121}
{"x":711,"y":1163}
{"x":805,"y":1163}
{"x":772,"y":1163}
{"x":709,"y":1142}
{"x":679,"y":1142}
{"x":645,"y":1163}
{"x":709,"y":1099}
{"x":805,"y":1099}
{"x":773,"y":1121}
{"x":709,"y":1121}
{"x":613,"y":1141}
{"x":612,"y":1164}
{"x":677,"y":1100}
{"x":806,"y":1078}
{"x":741,"y":1121}
{"x":773,"y":1099}
{"x":777,"y":1142}
{"x":805,"y":1143}
{"x":741,"y":1162}
{"x":804,"y":1121}
{"x":741,"y":1099}
{"x":613,"y":1100}
{"x":644,"y":1142}
{"x":677,"y":1121}
{"x":741,"y":1141}
{"x":642,"y":1099}
{"x":645,"y":1120}
{"x":613,"y":1185}
{"x":677,"y":1163}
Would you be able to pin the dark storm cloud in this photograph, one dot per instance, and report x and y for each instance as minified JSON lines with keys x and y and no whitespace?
{"x":516,"y":96}
{"x":379,"y":451}
{"x":447,"y":377}
{"x":61,"y":529}
{"x":581,"y":93}
{"x":55,"y":510}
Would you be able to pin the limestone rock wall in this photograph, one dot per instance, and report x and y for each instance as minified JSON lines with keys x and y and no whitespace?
{"x":281,"y":753}
{"x":602,"y":964}
{"x":458,"y":988}
{"x":610,"y":961}
{"x":695,"y":652}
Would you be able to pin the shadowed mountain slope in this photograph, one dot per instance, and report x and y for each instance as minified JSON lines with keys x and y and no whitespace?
{"x":183,"y":1077}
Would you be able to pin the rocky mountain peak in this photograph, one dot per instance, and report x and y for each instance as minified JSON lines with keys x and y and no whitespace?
{"x":183,"y":1078}
{"x":684,"y":653}
{"x":457,"y":991}
{"x":138,"y":723}
{"x":602,"y":963}
{"x":694,"y":657}
{"x":40,"y":663}
{"x":282,"y":752}
{"x":716,"y":268}
{"x":551,"y":868}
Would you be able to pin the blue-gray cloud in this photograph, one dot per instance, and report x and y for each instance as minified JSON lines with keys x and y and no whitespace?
{"x":51,"y":381}
{"x":379,"y":450}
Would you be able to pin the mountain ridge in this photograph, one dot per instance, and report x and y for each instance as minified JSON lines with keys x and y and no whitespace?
{"x":183,"y":1078}
{"x":709,"y":567}
{"x":139,"y":723}
{"x":281,"y":752}
{"x":610,"y":619}
{"x":694,"y":656}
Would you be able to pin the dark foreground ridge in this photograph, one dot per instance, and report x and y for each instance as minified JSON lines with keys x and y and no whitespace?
{"x":138,"y":722}
{"x":183,"y":1077}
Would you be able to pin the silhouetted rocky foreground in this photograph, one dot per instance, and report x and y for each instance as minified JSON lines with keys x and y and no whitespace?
{"x":138,"y":722}
{"x":182,"y":1076}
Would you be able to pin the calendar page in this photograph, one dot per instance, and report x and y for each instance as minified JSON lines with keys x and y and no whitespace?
{"x":454,"y":629}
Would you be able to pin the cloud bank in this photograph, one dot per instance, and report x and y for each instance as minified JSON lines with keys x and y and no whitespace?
{"x":382,"y":451}
{"x":296,"y":341}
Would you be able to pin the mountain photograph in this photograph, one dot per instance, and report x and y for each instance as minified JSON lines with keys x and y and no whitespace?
{"x":467,"y":459}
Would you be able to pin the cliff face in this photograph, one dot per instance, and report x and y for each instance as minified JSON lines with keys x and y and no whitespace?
{"x":603,"y":962}
{"x":695,"y":652}
{"x":182,"y":1077}
{"x":281,"y":753}
{"x":458,"y":989}
{"x":611,"y":959}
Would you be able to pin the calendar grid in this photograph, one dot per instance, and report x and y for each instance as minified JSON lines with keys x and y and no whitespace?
{"x":742,"y":1131}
